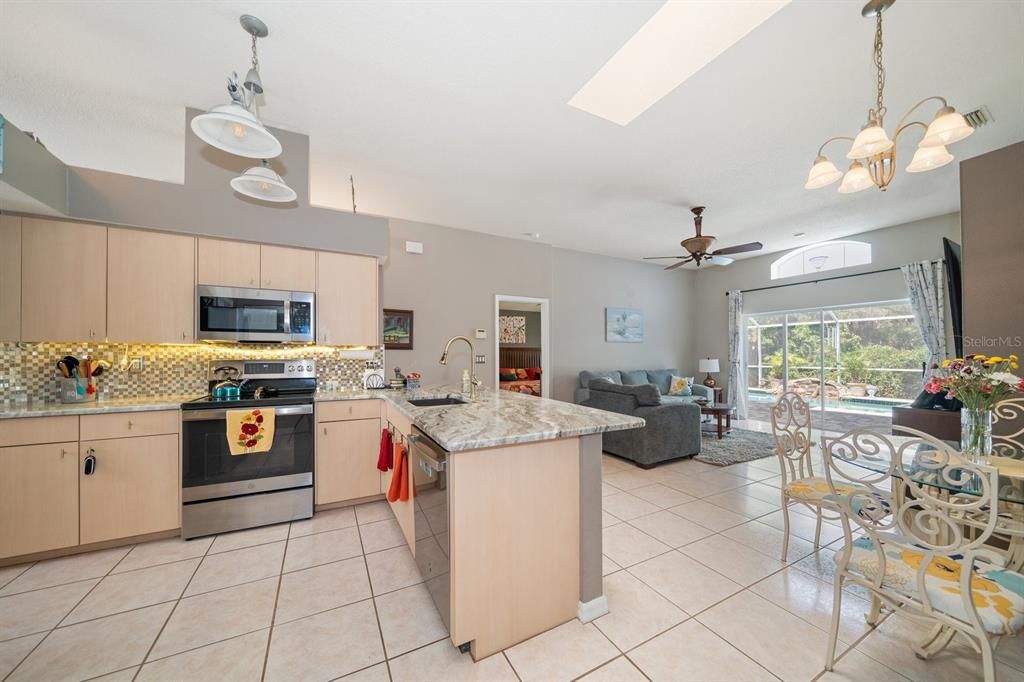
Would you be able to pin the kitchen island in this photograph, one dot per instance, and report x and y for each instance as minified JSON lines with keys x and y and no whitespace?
{"x":518,"y":550}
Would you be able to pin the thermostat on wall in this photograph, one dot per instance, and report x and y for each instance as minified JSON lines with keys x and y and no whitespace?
{"x":481,"y":333}
{"x":414,"y":247}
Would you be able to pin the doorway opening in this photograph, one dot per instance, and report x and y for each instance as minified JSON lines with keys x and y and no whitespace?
{"x":522,"y":345}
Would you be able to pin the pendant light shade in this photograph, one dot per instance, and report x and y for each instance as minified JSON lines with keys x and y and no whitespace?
{"x":856,"y":179}
{"x":234,"y":129}
{"x":872,"y":139}
{"x":929,"y":158}
{"x":946,"y":128}
{"x":261,"y":182}
{"x":823,"y":173}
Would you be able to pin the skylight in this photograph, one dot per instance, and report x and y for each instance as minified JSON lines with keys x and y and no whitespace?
{"x":678,"y":41}
{"x":821,"y":257}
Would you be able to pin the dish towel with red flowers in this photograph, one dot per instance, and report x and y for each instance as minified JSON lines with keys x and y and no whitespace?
{"x":250,"y":431}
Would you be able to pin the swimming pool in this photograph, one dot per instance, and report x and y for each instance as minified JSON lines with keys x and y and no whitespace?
{"x":856,"y":405}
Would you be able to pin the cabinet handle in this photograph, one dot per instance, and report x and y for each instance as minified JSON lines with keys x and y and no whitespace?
{"x":92,"y":333}
{"x":129,"y":424}
{"x":63,"y":453}
{"x":325,"y":430}
{"x":90,"y":462}
{"x":183,"y":336}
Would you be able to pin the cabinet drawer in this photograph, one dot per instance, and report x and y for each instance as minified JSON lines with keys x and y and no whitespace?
{"x":125,"y":424}
{"x":33,"y":430}
{"x":341,"y":410}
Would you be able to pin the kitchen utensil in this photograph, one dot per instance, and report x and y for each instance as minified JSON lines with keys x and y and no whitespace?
{"x":62,"y":366}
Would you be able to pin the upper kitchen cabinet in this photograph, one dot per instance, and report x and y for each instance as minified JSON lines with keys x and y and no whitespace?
{"x":10,"y":278}
{"x":347,"y":300}
{"x":63,"y":281}
{"x":151,"y":287}
{"x":287,"y":269}
{"x":225,"y":263}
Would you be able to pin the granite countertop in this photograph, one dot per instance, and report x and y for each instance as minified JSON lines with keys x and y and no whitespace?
{"x":495,"y":417}
{"x":101,"y":406}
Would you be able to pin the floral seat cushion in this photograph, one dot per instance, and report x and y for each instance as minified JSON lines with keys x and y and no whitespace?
{"x":998,"y":594}
{"x":813,"y":489}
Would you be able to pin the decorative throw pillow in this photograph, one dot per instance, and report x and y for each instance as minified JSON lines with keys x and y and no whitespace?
{"x":681,"y":386}
{"x":521,"y":373}
{"x":507,"y":376}
{"x":533,"y":373}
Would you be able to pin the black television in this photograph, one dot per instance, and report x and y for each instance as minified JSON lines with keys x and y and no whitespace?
{"x":954,"y":282}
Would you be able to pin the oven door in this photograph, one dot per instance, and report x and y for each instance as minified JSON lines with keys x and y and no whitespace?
{"x":238,"y":314}
{"x":210,"y":471}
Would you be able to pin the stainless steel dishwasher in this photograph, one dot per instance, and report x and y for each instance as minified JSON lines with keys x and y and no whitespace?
{"x":432,"y":549}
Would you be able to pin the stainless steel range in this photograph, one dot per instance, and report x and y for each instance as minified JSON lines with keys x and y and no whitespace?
{"x":221,"y":491}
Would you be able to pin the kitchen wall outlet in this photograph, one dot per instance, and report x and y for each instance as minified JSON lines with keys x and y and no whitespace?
{"x":480,"y":359}
{"x":136,"y":364}
{"x":481,"y":333}
{"x":414,"y":247}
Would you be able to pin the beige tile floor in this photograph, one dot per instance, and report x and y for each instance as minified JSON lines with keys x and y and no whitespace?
{"x":693,"y":577}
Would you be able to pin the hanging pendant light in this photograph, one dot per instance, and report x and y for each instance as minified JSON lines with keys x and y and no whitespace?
{"x":261,"y":182}
{"x":873,"y":144}
{"x":234,"y":127}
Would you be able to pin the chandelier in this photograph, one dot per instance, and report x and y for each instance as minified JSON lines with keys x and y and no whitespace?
{"x":873,"y":152}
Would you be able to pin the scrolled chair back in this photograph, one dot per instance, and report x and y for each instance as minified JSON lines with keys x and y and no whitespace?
{"x":906,"y":505}
{"x":791,"y":427}
{"x":1006,"y":441}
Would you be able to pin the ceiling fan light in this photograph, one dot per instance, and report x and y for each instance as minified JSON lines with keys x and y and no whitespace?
{"x":947,"y":127}
{"x":234,"y":129}
{"x":261,"y":182}
{"x":872,"y":139}
{"x":929,"y":158}
{"x":856,"y":179}
{"x":823,"y":173}
{"x":719,"y":260}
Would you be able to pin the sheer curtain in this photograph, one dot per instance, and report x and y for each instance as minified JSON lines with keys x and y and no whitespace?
{"x":736,"y":391}
{"x":928,"y":300}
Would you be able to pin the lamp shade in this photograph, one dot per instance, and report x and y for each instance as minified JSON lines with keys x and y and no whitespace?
{"x":872,"y":139}
{"x":261,"y":182}
{"x":929,"y":158}
{"x":946,"y":128}
{"x":856,"y":179}
{"x":823,"y":173}
{"x":708,"y":365}
{"x":234,"y":129}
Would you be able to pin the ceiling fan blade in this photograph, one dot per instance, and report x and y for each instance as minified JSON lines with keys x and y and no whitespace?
{"x":662,"y":257}
{"x":679,"y":264}
{"x":742,"y":248}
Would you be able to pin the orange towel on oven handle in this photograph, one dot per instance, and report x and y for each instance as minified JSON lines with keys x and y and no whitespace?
{"x":394,"y":490}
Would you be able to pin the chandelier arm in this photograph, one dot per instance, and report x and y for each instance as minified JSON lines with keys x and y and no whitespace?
{"x":899,"y":130}
{"x":833,"y":139}
{"x":915,"y":107}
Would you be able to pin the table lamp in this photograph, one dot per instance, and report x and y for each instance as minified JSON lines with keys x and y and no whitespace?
{"x":709,"y":365}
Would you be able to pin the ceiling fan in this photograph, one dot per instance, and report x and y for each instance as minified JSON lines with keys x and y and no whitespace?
{"x":699,"y":247}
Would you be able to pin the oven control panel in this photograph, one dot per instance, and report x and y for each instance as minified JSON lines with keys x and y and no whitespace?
{"x":293,"y":368}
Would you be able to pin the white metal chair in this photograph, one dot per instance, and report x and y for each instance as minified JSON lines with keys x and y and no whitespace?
{"x":913,"y":555}
{"x":791,"y":427}
{"x":1005,"y":441}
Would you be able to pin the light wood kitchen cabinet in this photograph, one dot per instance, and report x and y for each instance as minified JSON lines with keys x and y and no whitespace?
{"x":287,"y":269}
{"x":133,"y":489}
{"x":224,"y":263}
{"x":150,"y":287}
{"x":63,"y":281}
{"x":346,"y":460}
{"x":10,"y":278}
{"x":38,"y":498}
{"x":347,"y":300}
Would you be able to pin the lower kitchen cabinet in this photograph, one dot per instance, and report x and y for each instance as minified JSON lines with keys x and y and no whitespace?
{"x":346,"y":460}
{"x":133,"y":488}
{"x":38,"y":498}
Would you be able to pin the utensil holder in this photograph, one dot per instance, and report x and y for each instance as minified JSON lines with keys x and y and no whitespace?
{"x":76,"y":390}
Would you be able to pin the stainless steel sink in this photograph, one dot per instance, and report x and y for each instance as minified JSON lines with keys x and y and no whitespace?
{"x":437,"y":402}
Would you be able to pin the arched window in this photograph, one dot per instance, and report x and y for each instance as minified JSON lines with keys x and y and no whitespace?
{"x":820,"y":257}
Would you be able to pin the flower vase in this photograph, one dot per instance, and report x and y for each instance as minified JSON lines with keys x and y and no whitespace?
{"x":976,"y":434}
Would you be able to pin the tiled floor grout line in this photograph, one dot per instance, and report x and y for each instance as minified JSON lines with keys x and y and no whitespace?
{"x":273,"y":611}
{"x":373,"y":601}
{"x":170,"y":615}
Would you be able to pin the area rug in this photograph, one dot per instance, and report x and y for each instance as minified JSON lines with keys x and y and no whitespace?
{"x":739,"y":446}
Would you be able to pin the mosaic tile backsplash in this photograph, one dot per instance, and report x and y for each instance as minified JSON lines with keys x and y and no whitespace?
{"x":30,"y":368}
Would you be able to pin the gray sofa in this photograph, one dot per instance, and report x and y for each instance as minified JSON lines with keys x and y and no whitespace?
{"x":661,"y":378}
{"x":673,"y":422}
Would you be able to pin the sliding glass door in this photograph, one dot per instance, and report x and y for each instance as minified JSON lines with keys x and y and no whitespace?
{"x":852,"y":364}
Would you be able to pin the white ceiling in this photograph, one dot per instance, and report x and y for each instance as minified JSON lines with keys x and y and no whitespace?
{"x":456,"y":113}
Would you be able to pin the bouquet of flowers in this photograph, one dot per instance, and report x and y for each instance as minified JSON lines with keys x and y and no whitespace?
{"x":978,"y":381}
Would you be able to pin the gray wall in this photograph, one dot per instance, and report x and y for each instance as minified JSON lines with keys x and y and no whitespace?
{"x":892,"y":246}
{"x":451,"y":288}
{"x":533,"y":330}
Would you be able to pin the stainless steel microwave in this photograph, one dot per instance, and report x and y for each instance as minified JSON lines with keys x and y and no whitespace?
{"x":262,"y":315}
